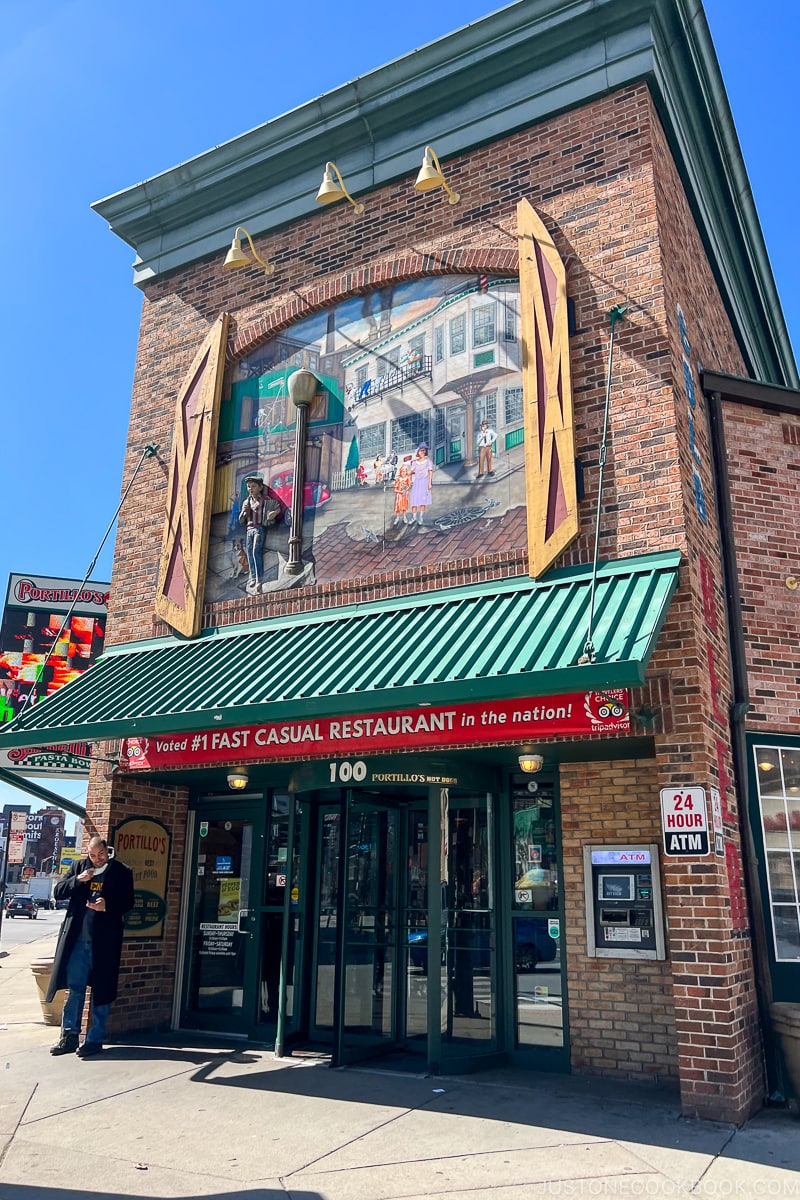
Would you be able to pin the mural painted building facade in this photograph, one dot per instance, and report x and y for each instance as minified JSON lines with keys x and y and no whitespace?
{"x":387,"y":879}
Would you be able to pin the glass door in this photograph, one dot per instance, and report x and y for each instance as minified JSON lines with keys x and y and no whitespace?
{"x":370,"y":968}
{"x":220,"y":982}
{"x":469,"y":1024}
{"x":369,"y":990}
{"x":537,"y":922}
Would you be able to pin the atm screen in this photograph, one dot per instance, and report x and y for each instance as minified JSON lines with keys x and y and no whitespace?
{"x":615,"y":887}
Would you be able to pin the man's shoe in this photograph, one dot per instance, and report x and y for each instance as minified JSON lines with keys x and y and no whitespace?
{"x":66,"y":1044}
{"x":89,"y":1049}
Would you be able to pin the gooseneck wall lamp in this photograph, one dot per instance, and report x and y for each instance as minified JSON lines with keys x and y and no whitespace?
{"x":431,"y":176}
{"x":236,"y":257}
{"x":331,"y":190}
{"x":303,"y":386}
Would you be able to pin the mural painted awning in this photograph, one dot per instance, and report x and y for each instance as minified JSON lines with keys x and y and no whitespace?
{"x":490,"y":641}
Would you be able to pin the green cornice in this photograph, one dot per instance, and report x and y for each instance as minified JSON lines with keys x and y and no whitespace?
{"x":510,"y":70}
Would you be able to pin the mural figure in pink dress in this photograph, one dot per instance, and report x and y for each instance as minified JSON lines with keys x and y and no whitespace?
{"x":402,"y":486}
{"x":421,"y":483}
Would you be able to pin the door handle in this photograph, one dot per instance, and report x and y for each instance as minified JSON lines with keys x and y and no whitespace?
{"x":244,"y":913}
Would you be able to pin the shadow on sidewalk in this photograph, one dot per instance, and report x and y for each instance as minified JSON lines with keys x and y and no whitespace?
{"x":640,"y":1114}
{"x":21,"y":1191}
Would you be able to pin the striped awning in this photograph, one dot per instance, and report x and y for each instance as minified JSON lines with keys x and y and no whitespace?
{"x":490,"y":641}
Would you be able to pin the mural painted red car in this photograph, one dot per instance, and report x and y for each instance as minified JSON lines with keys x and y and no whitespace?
{"x":315,"y":494}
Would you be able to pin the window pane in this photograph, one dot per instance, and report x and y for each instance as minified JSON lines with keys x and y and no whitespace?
{"x":774,"y":823}
{"x":535,"y":863}
{"x":781,"y":879}
{"x":408,"y":432}
{"x":509,"y":321}
{"x":512,"y":405}
{"x":458,"y":328}
{"x":769,"y":771}
{"x":486,"y":409}
{"x":787,"y":931}
{"x":438,"y":343}
{"x":537,"y":964}
{"x":483,"y":325}
{"x":372,"y":440}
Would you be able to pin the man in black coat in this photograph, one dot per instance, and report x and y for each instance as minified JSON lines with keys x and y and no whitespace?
{"x":100,"y":892}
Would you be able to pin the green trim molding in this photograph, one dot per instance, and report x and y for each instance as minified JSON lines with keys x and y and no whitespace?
{"x":506,"y":639}
{"x":516,"y":67}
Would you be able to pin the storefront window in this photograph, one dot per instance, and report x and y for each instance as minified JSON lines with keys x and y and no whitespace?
{"x":778,"y":777}
{"x":536,"y":919}
{"x":484,"y":331}
{"x":468,"y":919}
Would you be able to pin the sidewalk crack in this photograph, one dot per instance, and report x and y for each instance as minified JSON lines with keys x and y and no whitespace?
{"x":16,"y":1128}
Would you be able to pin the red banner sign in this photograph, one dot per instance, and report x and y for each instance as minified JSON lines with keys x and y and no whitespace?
{"x":430,"y":728}
{"x":16,"y":837}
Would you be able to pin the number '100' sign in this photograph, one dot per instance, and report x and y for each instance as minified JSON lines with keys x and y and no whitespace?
{"x":344,"y":772}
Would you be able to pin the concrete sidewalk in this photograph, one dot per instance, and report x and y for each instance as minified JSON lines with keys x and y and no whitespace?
{"x":191,"y":1117}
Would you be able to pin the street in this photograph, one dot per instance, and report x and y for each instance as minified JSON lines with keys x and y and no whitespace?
{"x":21,"y":931}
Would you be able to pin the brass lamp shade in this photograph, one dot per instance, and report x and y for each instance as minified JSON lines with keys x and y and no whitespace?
{"x":236,"y":256}
{"x":333,"y":188}
{"x":329,"y":190}
{"x":431,"y":176}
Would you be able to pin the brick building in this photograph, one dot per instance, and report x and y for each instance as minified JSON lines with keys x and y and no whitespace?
{"x":321,"y":747}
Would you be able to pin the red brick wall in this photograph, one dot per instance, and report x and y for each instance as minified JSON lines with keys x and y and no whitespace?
{"x":622,"y":1021}
{"x":716,"y":1013}
{"x":764,"y":473}
{"x":147,"y":972}
{"x":605,"y":185}
{"x":589,"y":174}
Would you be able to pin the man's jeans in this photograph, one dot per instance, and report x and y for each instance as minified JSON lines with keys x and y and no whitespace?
{"x":255,"y":551}
{"x":78,"y":970}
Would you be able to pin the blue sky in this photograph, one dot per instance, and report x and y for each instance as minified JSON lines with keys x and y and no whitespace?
{"x":97,"y":96}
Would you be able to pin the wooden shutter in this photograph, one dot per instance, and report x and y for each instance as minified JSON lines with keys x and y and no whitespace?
{"x":547,"y":388}
{"x":184,"y":547}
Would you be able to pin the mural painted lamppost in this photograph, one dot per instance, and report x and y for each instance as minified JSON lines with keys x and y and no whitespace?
{"x":303,"y":386}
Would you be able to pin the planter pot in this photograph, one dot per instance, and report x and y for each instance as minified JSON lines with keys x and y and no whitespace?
{"x":42,"y":969}
{"x":786,"y":1023}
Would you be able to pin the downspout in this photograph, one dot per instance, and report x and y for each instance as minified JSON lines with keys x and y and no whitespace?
{"x":739,"y":708}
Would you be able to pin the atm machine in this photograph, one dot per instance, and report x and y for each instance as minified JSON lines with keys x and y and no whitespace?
{"x":624,"y":915}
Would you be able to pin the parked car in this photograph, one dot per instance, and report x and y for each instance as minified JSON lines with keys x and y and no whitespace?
{"x":533,"y":946}
{"x":315,"y":493}
{"x":22,"y":906}
{"x":62,"y":903}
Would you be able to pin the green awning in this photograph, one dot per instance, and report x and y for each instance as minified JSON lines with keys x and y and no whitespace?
{"x":53,"y":799}
{"x":496,"y":640}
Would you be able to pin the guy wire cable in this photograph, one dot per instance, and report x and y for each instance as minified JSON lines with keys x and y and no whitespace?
{"x":149,"y":452}
{"x":616,"y":314}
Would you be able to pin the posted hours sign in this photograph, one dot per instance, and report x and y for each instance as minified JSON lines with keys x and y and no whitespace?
{"x":685,"y":820}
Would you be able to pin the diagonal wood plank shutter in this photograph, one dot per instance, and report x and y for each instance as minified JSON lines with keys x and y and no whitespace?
{"x":184,"y":546}
{"x":547,"y":388}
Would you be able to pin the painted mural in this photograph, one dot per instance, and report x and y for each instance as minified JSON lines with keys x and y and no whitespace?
{"x":415,"y":447}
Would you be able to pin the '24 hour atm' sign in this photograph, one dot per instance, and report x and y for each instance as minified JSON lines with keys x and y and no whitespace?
{"x":685,"y":819}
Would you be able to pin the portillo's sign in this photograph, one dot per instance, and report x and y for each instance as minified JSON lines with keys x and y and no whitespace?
{"x":433,"y":727}
{"x":143,"y":845}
